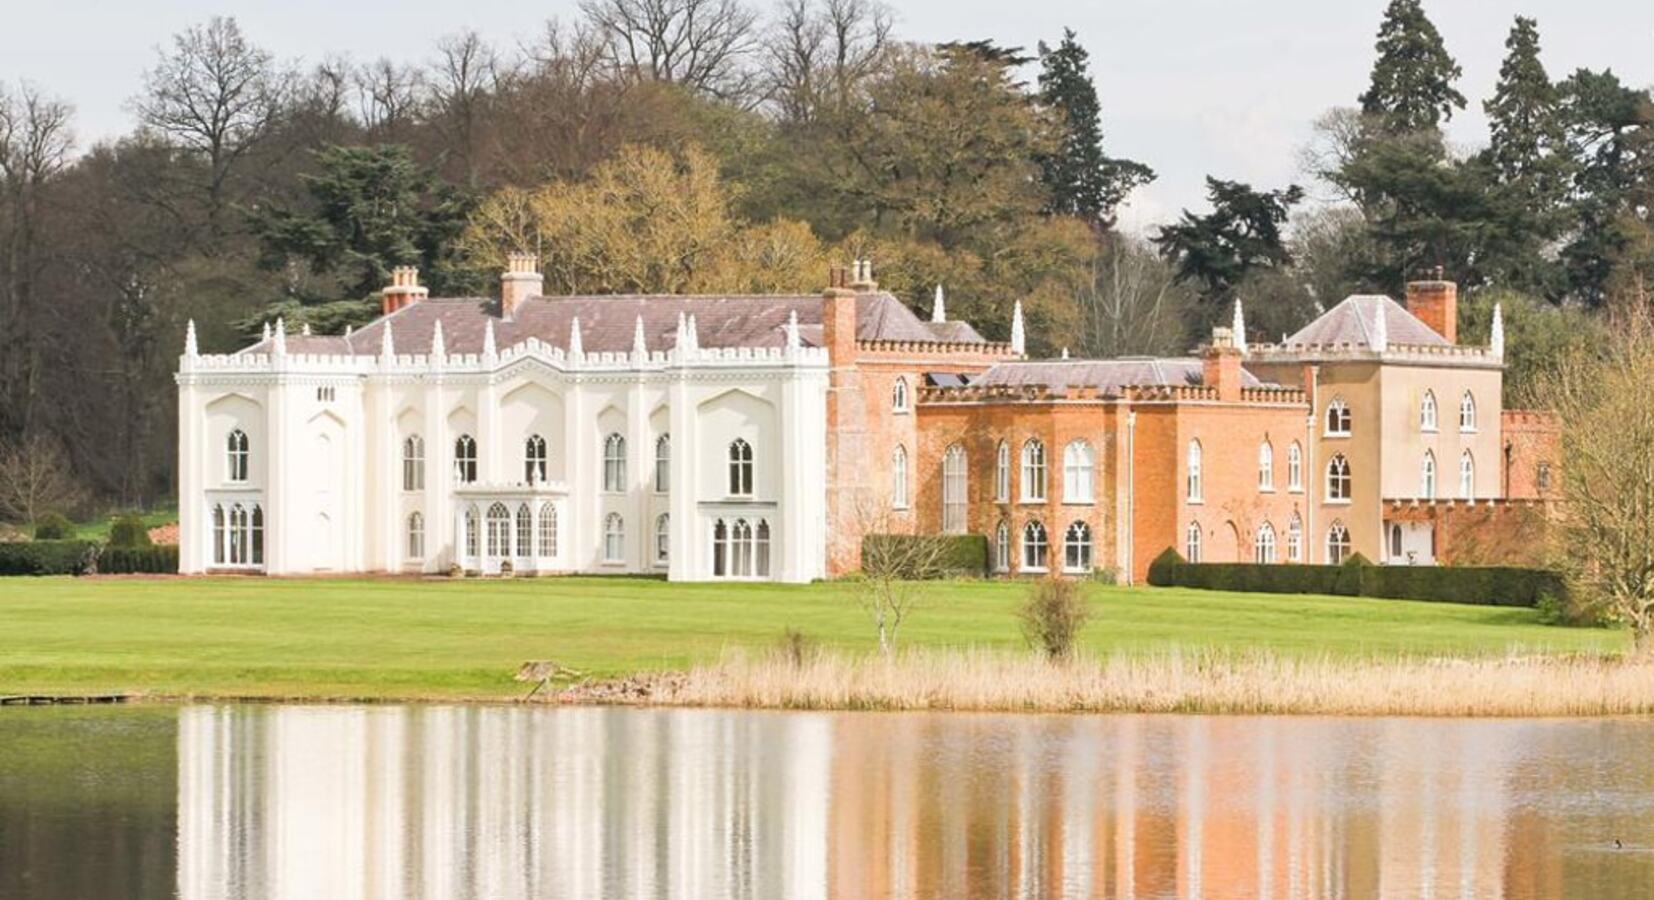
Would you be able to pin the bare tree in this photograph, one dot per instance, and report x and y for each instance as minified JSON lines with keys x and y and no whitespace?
{"x":895,"y":564}
{"x":217,"y":96}
{"x":35,"y":141}
{"x":700,"y":44}
{"x":819,"y":52}
{"x":1604,"y":398}
{"x":35,"y":480}
{"x":387,"y":95}
{"x":1133,"y":304}
{"x":466,"y":72}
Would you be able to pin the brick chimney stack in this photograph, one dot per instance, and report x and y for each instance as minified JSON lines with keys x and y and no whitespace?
{"x":520,"y":281}
{"x":847,"y":459}
{"x":1436,"y":303}
{"x":1220,"y":366}
{"x":404,"y":290}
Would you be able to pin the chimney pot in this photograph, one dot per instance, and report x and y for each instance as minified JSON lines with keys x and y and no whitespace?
{"x":404,"y":290}
{"x":520,"y":281}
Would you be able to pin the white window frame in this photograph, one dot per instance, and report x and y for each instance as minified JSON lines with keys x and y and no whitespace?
{"x":614,"y":539}
{"x":898,"y":477}
{"x":1194,"y":488}
{"x":1295,"y":468}
{"x":1338,"y":421}
{"x":1263,"y":545}
{"x":1002,"y":472}
{"x":1036,"y":546}
{"x":955,"y":488}
{"x":1429,"y":419}
{"x":1002,"y":546}
{"x":546,"y":546}
{"x":237,"y":457}
{"x":416,"y":535}
{"x":1079,"y":472}
{"x":1192,"y":541}
{"x":1076,"y":541}
{"x":1467,"y":413}
{"x":1338,"y":543}
{"x":663,"y":464}
{"x":1266,"y":467}
{"x":1340,"y":485}
{"x":535,"y":459}
{"x":1467,"y":476}
{"x":465,"y":459}
{"x":740,"y":456}
{"x":1033,"y":471}
{"x":413,"y":463}
{"x":1295,"y":539}
{"x":614,"y":463}
{"x":1427,"y":476}
{"x":663,"y":539}
{"x":899,"y":403}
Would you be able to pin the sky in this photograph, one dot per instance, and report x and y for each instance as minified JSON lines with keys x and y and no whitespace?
{"x":1229,"y":88}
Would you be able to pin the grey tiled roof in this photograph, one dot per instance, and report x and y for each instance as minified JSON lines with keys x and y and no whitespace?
{"x":607,"y":323}
{"x":1106,"y":375}
{"x":954,"y":332}
{"x":1351,"y":322}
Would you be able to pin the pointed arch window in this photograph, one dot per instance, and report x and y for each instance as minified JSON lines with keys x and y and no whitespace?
{"x":1467,"y":476}
{"x":1002,"y":547}
{"x":499,"y":530}
{"x":898,"y":396}
{"x":1033,"y":471}
{"x":218,"y":534}
{"x":663,"y":463}
{"x":1191,"y":542}
{"x":1266,"y":467}
{"x":413,"y":463}
{"x":741,"y":549}
{"x":465,"y":459}
{"x":1427,"y":412}
{"x":1338,"y":418}
{"x":614,"y":463}
{"x":1263,"y":544}
{"x":1338,"y":479}
{"x":238,"y":456}
{"x":1079,"y":473}
{"x":548,"y":529}
{"x":416,"y":536}
{"x":614,"y":539}
{"x":953,"y":489}
{"x":1427,"y":476}
{"x":1035,"y":547}
{"x":1338,"y":544}
{"x":1002,"y":473}
{"x":1295,"y":468}
{"x":1076,"y":548}
{"x":1194,"y":486}
{"x":256,"y":538}
{"x":898,"y":477}
{"x":525,"y":530}
{"x":663,"y":539}
{"x":1467,"y":413}
{"x":473,"y":542}
{"x":1295,"y":539}
{"x":740,"y":468}
{"x":534,"y":459}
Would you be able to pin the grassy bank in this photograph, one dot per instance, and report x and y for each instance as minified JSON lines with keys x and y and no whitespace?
{"x":1245,"y":682}
{"x":440,"y":639}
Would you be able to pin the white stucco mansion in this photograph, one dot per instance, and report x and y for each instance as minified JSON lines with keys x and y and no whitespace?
{"x":680,"y":435}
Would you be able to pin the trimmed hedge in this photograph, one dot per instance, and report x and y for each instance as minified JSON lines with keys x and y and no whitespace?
{"x":156,"y":558}
{"x":1479,"y":585}
{"x":53,"y":527}
{"x":49,"y":558}
{"x":966,"y":555}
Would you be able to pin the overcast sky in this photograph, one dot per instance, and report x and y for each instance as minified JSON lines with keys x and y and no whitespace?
{"x":1191,"y":87}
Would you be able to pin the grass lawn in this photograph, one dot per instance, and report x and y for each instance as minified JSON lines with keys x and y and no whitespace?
{"x":98,"y":529}
{"x":230,"y":637}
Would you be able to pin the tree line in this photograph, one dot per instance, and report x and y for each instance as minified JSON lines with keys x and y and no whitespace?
{"x":709,"y":145}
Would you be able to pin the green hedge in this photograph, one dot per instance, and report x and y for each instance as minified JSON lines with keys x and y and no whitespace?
{"x":48,"y":558}
{"x":966,"y":555}
{"x":1479,"y":585}
{"x":156,"y":558}
{"x":129,"y":531}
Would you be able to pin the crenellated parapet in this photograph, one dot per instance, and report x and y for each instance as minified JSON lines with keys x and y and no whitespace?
{"x":1452,"y":354}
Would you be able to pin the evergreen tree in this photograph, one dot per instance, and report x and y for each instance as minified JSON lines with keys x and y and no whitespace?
{"x":1082,"y":182}
{"x":1242,"y":233}
{"x":1528,"y":163}
{"x":1610,"y":135}
{"x":1412,"y":81}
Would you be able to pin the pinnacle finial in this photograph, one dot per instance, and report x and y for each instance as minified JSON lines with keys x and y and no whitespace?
{"x":1496,"y":336}
{"x":640,"y":345}
{"x":266,"y":332}
{"x":489,"y":350}
{"x":439,"y":349}
{"x":190,"y":348}
{"x":694,"y":334}
{"x":1237,"y":329}
{"x":576,"y":347}
{"x":387,"y":344}
{"x":279,"y":339}
{"x":1380,"y":331}
{"x":1019,"y":337}
{"x":305,"y":328}
{"x":792,"y":330}
{"x":939,"y":309}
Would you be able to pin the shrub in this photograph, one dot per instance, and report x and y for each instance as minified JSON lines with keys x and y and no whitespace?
{"x":796,"y":647}
{"x":154,"y":559}
{"x":953,"y":555}
{"x":1162,"y":570}
{"x":129,"y":531}
{"x":53,"y":527}
{"x":49,"y":557}
{"x":1053,"y":615}
{"x":1356,"y":577}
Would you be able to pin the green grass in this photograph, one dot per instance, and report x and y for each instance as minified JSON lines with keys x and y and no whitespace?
{"x":227,"y":637}
{"x":98,"y":529}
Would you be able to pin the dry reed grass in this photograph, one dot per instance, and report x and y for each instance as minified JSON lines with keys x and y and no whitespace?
{"x":1180,"y":682}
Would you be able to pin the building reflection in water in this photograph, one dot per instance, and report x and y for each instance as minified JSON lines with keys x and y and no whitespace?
{"x":305,"y":802}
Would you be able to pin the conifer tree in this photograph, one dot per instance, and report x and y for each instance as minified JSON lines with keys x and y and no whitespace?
{"x":1081,"y":180}
{"x":1412,"y":81}
{"x":1527,"y":160}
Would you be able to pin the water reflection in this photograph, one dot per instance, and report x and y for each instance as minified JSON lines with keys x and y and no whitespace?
{"x":386,"y":802}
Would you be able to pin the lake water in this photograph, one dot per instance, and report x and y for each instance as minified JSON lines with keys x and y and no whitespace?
{"x":210,"y":802}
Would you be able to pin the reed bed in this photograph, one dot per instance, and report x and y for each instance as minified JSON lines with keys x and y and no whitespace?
{"x":1172,"y":682}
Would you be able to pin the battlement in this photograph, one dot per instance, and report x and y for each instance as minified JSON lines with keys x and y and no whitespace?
{"x":941,"y":348}
{"x":1361,"y":351}
{"x":1529,"y":419}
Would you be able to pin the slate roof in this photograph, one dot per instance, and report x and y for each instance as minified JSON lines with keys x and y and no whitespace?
{"x":955,"y":332}
{"x":1351,"y":322}
{"x":1106,"y":375}
{"x":607,"y":323}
